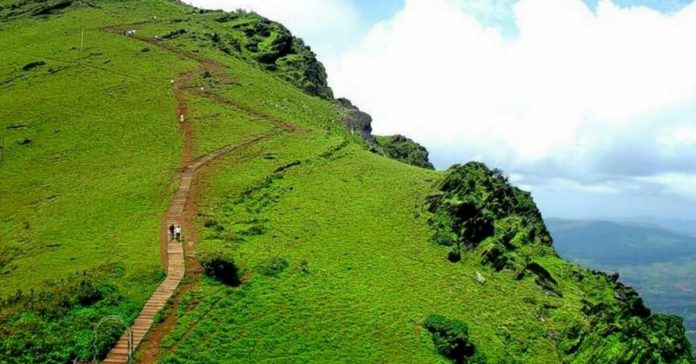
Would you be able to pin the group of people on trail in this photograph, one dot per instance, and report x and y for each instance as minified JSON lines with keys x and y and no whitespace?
{"x":175,"y":232}
{"x":130,"y":33}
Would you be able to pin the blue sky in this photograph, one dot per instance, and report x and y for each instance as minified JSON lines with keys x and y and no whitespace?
{"x":373,"y":11}
{"x":665,"y":6}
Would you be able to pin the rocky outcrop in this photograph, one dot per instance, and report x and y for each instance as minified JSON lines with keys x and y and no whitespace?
{"x":275,"y":49}
{"x":396,"y":147}
{"x":357,"y":121}
{"x":404,"y":149}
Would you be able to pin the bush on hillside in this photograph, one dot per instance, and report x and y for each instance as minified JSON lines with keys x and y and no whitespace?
{"x":451,"y":339}
{"x":273,"y":267}
{"x":455,"y":254}
{"x":221,"y":267}
{"x":56,"y":323}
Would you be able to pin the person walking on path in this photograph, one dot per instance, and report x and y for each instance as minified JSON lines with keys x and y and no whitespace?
{"x":177,"y":233}
{"x":171,"y":232}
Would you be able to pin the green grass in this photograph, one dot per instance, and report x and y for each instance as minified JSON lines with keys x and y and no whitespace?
{"x":215,"y":126}
{"x":91,"y":185}
{"x":90,"y":144}
{"x":362,"y":272}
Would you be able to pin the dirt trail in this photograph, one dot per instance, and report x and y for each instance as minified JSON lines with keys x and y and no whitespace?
{"x":178,"y":258}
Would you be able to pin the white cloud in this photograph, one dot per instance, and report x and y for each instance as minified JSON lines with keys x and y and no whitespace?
{"x":679,"y":184}
{"x":574,"y":90}
{"x":325,"y":24}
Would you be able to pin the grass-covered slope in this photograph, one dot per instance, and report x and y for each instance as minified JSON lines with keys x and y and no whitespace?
{"x":334,"y":249}
{"x":88,"y":149}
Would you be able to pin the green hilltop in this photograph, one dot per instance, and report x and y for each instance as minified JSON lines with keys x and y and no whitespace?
{"x":311,"y":241}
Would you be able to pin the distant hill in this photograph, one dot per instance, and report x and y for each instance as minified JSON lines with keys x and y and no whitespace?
{"x":687,"y":227}
{"x":610,"y":243}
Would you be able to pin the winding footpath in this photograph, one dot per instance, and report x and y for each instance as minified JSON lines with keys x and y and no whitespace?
{"x":173,"y":251}
{"x":174,"y":254}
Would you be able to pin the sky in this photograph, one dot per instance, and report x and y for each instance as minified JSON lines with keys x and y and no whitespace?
{"x":590,"y":105}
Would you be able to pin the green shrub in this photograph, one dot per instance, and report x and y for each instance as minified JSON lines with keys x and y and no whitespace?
{"x":56,"y":323}
{"x":451,"y":338}
{"x":455,"y":254}
{"x":272,"y":267}
{"x":476,"y":203}
{"x":221,"y":267}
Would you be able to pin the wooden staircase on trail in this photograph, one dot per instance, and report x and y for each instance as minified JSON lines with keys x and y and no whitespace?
{"x":175,"y":272}
{"x":175,"y":254}
{"x":173,"y":257}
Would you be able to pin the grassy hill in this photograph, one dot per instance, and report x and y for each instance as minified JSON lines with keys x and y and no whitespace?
{"x":657,"y":262}
{"x":312,"y":248}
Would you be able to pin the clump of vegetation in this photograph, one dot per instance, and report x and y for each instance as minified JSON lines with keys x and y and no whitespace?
{"x":623,"y":330}
{"x":478,"y":208}
{"x":273,"y":267}
{"x":57,"y":323}
{"x":403,"y":149}
{"x":40,"y":8}
{"x":221,"y":267}
{"x":275,"y":49}
{"x":451,"y":338}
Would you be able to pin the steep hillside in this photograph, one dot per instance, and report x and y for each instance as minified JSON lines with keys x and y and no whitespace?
{"x":301,"y":244}
{"x":657,"y":262}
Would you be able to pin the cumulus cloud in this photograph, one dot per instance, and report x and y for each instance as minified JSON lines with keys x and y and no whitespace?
{"x":327,"y":25}
{"x":603,"y":100}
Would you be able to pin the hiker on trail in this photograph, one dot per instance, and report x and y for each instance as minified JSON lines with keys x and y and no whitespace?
{"x":177,"y":232}
{"x":181,"y":118}
{"x":171,"y":232}
{"x":157,"y":38}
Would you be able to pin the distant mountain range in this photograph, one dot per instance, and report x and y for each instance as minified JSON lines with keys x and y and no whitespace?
{"x":687,"y":227}
{"x":612,"y":243}
{"x":658,"y":258}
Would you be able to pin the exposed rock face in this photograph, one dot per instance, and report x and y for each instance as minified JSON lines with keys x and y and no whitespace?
{"x":396,"y":147}
{"x":358,"y":122}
